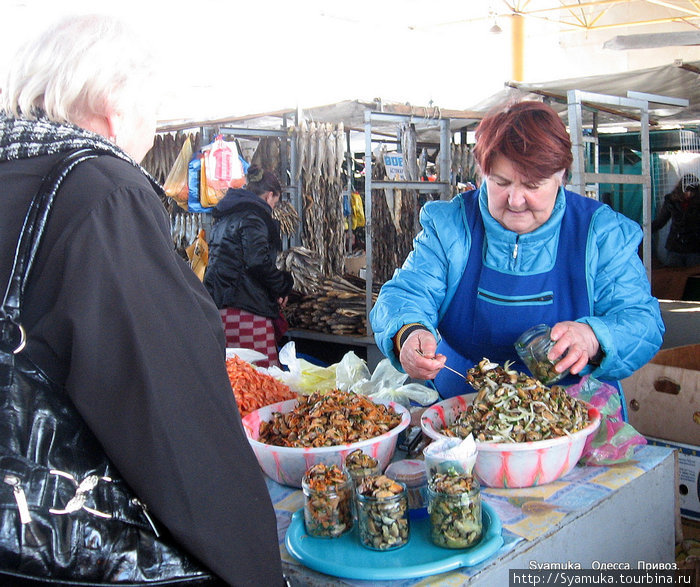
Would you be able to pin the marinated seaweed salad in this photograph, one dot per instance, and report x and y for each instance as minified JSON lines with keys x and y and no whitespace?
{"x":514,"y":407}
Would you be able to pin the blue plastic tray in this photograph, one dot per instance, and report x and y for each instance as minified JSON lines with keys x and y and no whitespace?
{"x":346,"y":557}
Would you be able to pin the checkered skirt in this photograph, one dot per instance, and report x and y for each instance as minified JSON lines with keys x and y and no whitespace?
{"x":249,"y":331}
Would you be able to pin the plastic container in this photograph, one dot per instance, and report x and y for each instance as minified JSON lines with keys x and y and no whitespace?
{"x":328,"y":512}
{"x":532,"y":347}
{"x":513,"y":464}
{"x":455,"y":517}
{"x":412,"y":473}
{"x":287,"y":465}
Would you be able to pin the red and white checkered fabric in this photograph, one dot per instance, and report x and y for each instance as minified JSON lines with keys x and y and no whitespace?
{"x":248,"y":331}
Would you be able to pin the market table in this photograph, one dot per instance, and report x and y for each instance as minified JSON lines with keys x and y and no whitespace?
{"x":621,"y":513}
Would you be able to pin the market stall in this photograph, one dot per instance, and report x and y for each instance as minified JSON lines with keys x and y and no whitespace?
{"x":538,"y":512}
{"x":589,"y":518}
{"x":322,"y":158}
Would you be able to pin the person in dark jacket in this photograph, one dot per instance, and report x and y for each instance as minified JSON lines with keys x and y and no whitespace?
{"x":682,"y":208}
{"x":242,"y":276}
{"x":112,"y":312}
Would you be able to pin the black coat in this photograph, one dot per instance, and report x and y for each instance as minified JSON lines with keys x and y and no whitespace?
{"x":684,"y":234}
{"x":114,"y":313}
{"x":243,"y":248}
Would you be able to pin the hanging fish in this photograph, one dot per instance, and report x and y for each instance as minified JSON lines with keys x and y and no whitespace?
{"x":409,"y":147}
{"x":340,"y":148}
{"x":423,"y":162}
{"x":302,"y":136}
{"x":313,"y":152}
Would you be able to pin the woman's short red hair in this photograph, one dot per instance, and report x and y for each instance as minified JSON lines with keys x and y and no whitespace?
{"x":529,"y":134}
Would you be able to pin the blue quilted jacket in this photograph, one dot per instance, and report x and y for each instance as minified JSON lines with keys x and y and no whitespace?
{"x":623,"y":314}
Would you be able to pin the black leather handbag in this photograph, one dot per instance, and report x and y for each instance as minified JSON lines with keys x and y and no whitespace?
{"x":66,"y":516}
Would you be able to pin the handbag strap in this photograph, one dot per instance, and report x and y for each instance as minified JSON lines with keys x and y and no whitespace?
{"x":12,"y":335}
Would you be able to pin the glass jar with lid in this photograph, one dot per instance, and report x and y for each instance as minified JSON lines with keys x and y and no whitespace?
{"x":532,"y":347}
{"x":454,"y":504}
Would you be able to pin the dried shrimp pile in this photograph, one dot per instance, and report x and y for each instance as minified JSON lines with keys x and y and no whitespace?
{"x":253,"y":389}
{"x":329,"y":419}
{"x":514,"y":407}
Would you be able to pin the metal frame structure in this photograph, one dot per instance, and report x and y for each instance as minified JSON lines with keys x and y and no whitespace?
{"x":580,"y":177}
{"x":288,"y":155}
{"x":444,"y":187}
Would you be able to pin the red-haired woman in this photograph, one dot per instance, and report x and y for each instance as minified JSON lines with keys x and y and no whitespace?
{"x":519,"y":251}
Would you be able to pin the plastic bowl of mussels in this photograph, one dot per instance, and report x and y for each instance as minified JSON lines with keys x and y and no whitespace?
{"x":287,"y":464}
{"x":514,"y":464}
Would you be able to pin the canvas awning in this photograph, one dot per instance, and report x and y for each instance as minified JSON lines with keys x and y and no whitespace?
{"x":677,"y":80}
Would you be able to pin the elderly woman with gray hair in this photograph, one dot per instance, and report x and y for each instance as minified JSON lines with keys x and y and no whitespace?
{"x":118,"y":321}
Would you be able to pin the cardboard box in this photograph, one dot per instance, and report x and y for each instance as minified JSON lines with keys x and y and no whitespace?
{"x":688,"y":476}
{"x":663,"y":397}
{"x":354,"y":265}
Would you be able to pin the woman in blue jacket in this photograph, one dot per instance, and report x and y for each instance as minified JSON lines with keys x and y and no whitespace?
{"x":519,"y":251}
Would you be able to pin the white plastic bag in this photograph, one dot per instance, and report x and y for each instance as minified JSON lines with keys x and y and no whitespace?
{"x":303,"y":376}
{"x":351,"y":374}
{"x":387,"y":384}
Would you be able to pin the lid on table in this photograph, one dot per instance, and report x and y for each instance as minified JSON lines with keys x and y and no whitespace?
{"x":409,"y":471}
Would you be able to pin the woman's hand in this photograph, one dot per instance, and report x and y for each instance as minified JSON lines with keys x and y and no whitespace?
{"x":418,"y":356}
{"x":578,"y":341}
{"x":283,"y":301}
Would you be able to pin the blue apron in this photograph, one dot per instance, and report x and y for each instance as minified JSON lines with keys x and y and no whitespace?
{"x":491,"y":309}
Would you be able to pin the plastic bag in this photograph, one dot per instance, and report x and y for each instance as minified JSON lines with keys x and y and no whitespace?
{"x":208,"y":196}
{"x":358,"y":210}
{"x":193,"y":179}
{"x":198,"y":255}
{"x":615,"y":440}
{"x":350,"y":372}
{"x":303,"y":377}
{"x":388,"y":384}
{"x":223,"y":166}
{"x":176,"y":184}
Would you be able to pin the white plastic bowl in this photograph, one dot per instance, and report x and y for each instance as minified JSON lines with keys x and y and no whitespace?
{"x":287,"y":465}
{"x":513,"y":464}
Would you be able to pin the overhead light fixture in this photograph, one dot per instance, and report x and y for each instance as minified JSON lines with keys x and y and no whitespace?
{"x":495,"y":29}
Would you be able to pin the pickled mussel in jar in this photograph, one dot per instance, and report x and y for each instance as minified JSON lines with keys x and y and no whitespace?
{"x":359,"y":465}
{"x":327,"y":501}
{"x":532,"y":347}
{"x":382,"y":513}
{"x":454,"y":504}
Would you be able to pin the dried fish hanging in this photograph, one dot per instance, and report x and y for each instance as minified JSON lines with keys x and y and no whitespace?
{"x":320,"y":149}
{"x":463,"y":167}
{"x":409,"y":147}
{"x":394,"y":217}
{"x":332,"y":305}
{"x":184,"y":228}
{"x":160,"y":158}
{"x":267,"y":156}
{"x":285,"y":213}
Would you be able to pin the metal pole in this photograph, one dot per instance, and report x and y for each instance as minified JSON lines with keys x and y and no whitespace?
{"x":646,"y":190}
{"x":577,"y":148}
{"x":445,"y":159}
{"x":368,"y":217}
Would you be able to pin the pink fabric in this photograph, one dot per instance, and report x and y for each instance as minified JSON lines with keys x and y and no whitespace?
{"x":248,"y":331}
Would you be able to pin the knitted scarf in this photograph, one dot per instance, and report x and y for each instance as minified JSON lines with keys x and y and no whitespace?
{"x":21,"y":139}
